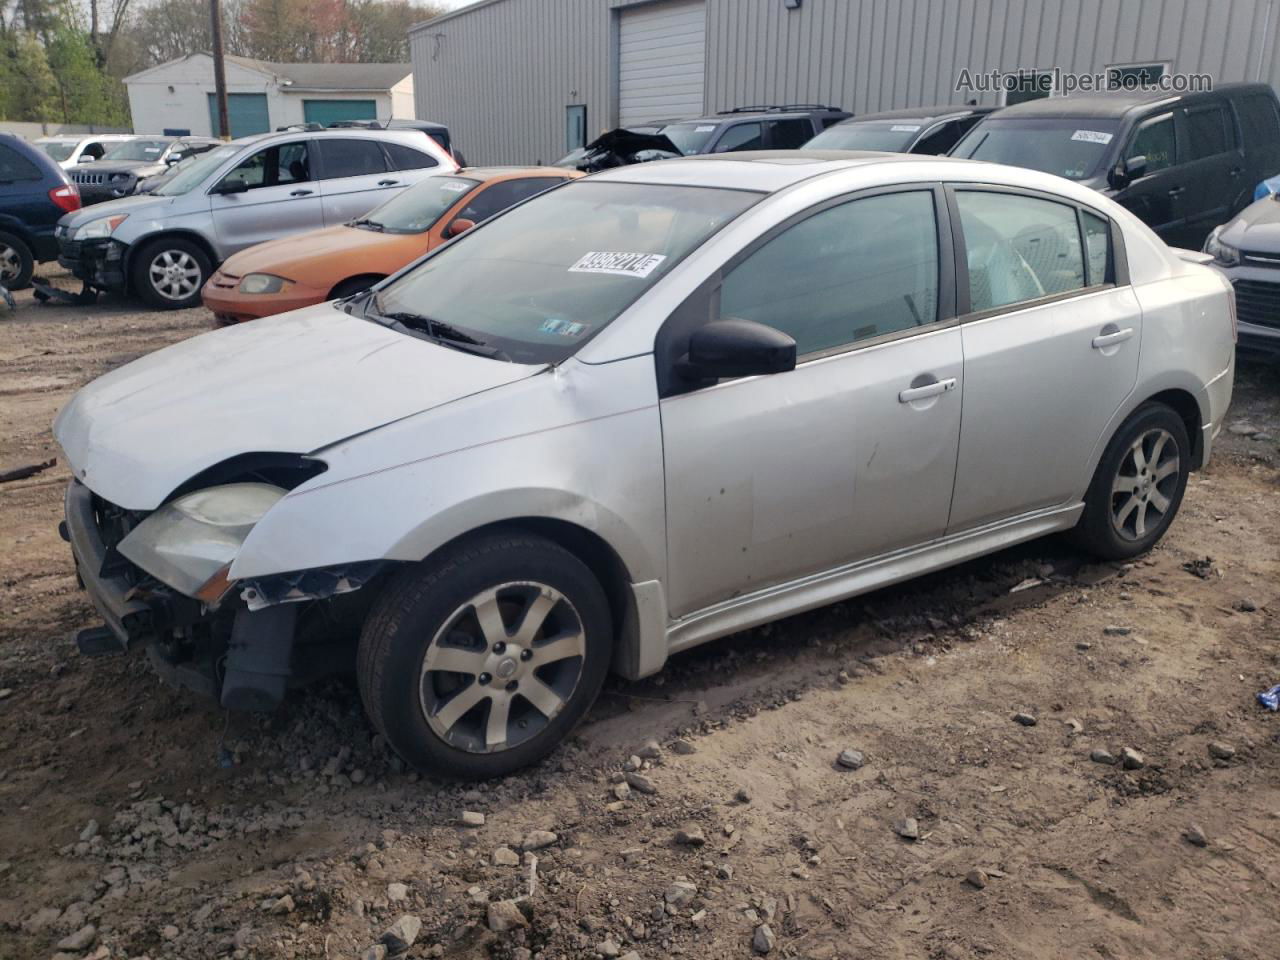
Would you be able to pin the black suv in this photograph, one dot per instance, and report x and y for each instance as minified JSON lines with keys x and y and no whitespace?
{"x":1183,"y":163}
{"x":34,"y":193}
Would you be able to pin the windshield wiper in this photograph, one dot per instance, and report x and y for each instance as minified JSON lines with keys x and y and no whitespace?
{"x":367,"y":224}
{"x":444,"y":333}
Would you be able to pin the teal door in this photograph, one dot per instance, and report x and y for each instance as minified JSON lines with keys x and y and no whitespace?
{"x":246,"y":112}
{"x":325,"y":112}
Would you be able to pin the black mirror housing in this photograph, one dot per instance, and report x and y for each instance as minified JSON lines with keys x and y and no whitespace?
{"x":737,"y":348}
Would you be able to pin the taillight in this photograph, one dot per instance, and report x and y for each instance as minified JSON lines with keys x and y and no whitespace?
{"x":66,"y":197}
{"x":1231,"y":309}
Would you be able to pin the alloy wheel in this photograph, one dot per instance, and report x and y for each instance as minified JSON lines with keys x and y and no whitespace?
{"x":502,"y":667}
{"x":1145,"y":482}
{"x":174,"y":274}
{"x":10,"y":263}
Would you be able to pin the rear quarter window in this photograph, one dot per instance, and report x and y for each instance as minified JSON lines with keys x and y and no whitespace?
{"x":1259,"y":121}
{"x":14,"y":166}
{"x":407,"y":158}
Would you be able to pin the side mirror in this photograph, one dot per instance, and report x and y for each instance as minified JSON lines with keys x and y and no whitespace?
{"x":231,"y":186}
{"x":737,"y":348}
{"x":85,"y":158}
{"x":461,"y":225}
{"x":1124,"y":173}
{"x":172,"y":158}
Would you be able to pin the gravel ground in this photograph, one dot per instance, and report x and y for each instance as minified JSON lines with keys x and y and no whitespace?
{"x":1030,"y":756}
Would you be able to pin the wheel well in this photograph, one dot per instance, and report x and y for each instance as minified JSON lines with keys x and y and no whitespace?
{"x":591,"y":549}
{"x":187,"y":235}
{"x":372,"y":278}
{"x":1185,"y":406}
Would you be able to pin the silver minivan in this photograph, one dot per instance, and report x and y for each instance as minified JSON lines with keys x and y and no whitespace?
{"x":163,"y":246}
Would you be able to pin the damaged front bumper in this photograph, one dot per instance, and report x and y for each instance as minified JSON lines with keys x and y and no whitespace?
{"x":99,"y":262}
{"x":245,"y":650}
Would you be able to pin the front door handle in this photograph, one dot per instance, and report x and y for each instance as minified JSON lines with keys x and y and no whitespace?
{"x":300,"y":193}
{"x":388,"y":183}
{"x":1103,"y":340}
{"x":911,"y":394}
{"x":1177,"y":191}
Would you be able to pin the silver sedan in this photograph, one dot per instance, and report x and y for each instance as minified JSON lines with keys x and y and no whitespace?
{"x":643,"y":410}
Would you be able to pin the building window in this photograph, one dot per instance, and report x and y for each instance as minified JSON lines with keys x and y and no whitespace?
{"x":575,"y":126}
{"x":1135,"y":76}
{"x":1027,"y":85}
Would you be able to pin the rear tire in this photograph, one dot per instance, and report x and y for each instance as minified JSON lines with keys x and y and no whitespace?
{"x":1138,"y":486}
{"x":480,"y":661}
{"x":16,"y":262}
{"x":169,"y":272}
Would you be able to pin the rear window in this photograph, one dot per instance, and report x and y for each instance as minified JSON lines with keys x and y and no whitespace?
{"x":1071,"y":147}
{"x":1259,"y":120}
{"x":1209,"y":132}
{"x":14,"y":166}
{"x":407,"y":158}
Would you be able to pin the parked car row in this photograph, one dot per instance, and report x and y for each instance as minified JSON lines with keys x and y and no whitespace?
{"x":34,"y":193}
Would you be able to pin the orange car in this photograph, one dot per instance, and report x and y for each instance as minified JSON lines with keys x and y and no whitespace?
{"x":308,"y":268}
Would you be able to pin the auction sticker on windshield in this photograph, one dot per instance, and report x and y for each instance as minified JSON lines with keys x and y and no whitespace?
{"x":621,"y":264}
{"x":1092,"y":136}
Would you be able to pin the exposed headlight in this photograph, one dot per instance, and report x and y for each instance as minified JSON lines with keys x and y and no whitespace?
{"x":1223,"y":253}
{"x":190,"y":542}
{"x":97,"y":229}
{"x":262,"y":283}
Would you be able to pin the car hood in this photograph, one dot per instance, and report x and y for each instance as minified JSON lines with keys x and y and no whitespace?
{"x":139,"y":168}
{"x":1257,"y":227}
{"x":148,"y":205}
{"x":288,"y":384}
{"x":315,"y":255}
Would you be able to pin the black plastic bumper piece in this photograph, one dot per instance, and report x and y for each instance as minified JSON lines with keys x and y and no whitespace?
{"x":259,"y":658}
{"x":128,"y":619}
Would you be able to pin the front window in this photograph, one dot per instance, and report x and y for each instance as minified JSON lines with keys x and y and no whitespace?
{"x":418,"y":208}
{"x":1071,"y":147}
{"x":689,"y":138}
{"x":136,"y":150}
{"x":196,"y":170}
{"x":538,"y":282}
{"x":894,"y":136}
{"x":59,"y":151}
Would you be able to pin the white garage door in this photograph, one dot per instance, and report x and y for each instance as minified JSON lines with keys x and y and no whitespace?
{"x":662,"y":47}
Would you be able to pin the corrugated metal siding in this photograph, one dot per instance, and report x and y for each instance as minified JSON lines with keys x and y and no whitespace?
{"x":502,"y":73}
{"x":661,"y":61}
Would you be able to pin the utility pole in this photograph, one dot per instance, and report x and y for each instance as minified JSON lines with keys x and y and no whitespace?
{"x":219,"y":71}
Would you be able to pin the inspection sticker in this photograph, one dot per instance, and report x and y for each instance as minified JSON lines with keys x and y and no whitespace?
{"x":622,"y":264}
{"x":904,"y":128}
{"x":562,"y":328}
{"x":1092,"y":136}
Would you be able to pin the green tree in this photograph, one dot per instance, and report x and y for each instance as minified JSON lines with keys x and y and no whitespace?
{"x":86,"y":94}
{"x":28,"y":90}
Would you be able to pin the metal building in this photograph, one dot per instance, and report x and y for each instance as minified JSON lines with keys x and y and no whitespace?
{"x":522,"y":81}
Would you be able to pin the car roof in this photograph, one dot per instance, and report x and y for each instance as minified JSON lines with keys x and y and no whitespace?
{"x":411,"y":138}
{"x":935,"y":112}
{"x":1120,"y":103}
{"x":77,"y":137}
{"x":764,"y":171}
{"x":755,"y":113}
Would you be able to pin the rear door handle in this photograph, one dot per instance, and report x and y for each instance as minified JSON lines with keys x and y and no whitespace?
{"x":300,"y":193}
{"x":1111,"y":339}
{"x":912,"y":394}
{"x":388,"y":183}
{"x":1177,"y":191}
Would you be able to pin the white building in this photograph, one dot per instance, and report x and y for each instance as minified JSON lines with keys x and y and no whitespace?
{"x":262,"y":96}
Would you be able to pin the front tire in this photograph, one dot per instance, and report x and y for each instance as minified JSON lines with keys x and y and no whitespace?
{"x":169,"y":272}
{"x":1138,"y":486}
{"x":16,"y":262}
{"x":481,"y":661}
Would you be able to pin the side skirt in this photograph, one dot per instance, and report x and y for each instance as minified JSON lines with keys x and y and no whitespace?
{"x":820,"y":589}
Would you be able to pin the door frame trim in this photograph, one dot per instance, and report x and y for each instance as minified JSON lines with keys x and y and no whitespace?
{"x":849,"y":580}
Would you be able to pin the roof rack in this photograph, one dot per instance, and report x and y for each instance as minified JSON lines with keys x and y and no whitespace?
{"x":772,"y":107}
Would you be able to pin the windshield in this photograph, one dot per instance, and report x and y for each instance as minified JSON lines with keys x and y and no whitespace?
{"x":689,"y":138}
{"x":1069,"y":147}
{"x":194,"y":175}
{"x":539,"y":281}
{"x":59,"y":150}
{"x":137,"y":150}
{"x":416,"y":209}
{"x":894,"y":136}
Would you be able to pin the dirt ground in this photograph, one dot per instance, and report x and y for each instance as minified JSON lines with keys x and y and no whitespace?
{"x":137,"y":821}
